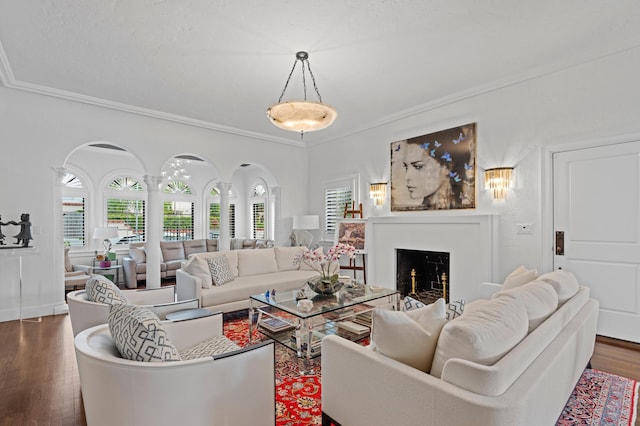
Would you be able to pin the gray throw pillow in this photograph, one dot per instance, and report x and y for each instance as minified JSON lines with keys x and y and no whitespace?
{"x":139,"y":335}
{"x":102,"y":290}
{"x":220,"y":270}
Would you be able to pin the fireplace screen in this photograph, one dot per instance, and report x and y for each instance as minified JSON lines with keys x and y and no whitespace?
{"x":423,"y":275}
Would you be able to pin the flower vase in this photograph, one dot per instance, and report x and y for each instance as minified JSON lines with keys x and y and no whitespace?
{"x":325,"y":286}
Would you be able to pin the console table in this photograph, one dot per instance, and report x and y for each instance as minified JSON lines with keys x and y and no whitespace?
{"x":19,"y":253}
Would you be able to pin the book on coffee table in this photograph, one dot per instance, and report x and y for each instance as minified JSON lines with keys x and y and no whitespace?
{"x":353,"y":327}
{"x":275,"y":324}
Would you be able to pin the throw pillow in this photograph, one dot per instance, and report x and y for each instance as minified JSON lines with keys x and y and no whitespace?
{"x":518,"y":277}
{"x":220,"y":270}
{"x":102,"y":290}
{"x":563,"y":282}
{"x":215,"y":346}
{"x":139,"y":335}
{"x":484,"y":334}
{"x":455,"y":309}
{"x":409,"y":304}
{"x":138,"y":254}
{"x":285,"y":257}
{"x":409,"y":337}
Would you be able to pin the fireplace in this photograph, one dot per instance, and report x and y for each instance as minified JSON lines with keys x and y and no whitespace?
{"x":423,"y":274}
{"x":468,"y":238}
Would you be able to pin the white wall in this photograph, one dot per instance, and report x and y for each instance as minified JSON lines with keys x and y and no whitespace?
{"x":39,"y":132}
{"x":516,"y":125}
{"x":597,"y":100}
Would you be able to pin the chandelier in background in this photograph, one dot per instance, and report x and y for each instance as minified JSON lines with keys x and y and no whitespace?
{"x":301,"y":116}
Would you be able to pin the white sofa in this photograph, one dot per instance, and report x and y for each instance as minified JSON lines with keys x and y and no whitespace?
{"x":254,"y":272}
{"x":86,"y":313}
{"x":529,"y":385}
{"x":235,"y":388}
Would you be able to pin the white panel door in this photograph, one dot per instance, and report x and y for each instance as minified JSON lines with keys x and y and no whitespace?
{"x":597,"y":224}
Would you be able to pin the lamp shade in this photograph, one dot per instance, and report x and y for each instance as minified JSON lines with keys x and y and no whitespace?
{"x":306,"y":222}
{"x":105,"y":233}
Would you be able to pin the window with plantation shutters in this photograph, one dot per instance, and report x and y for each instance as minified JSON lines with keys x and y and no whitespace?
{"x":126,"y":208}
{"x":177,"y":212}
{"x":258,"y":202}
{"x":73,"y":211}
{"x":214,"y":214}
{"x":334,"y":201}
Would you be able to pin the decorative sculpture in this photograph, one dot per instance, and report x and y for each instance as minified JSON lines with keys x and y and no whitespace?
{"x":24,"y":236}
{"x":1,"y":234}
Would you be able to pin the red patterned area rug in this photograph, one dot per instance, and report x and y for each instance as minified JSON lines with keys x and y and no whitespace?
{"x":599,"y":398}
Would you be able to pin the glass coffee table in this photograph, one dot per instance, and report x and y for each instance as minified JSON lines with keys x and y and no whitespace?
{"x":347,"y":314}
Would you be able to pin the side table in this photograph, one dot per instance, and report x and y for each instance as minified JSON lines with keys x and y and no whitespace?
{"x":188,"y":314}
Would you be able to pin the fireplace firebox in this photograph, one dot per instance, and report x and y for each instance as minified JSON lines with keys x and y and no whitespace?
{"x":422,"y":274}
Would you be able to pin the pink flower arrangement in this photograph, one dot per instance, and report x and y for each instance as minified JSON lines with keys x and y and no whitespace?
{"x":322,"y":262}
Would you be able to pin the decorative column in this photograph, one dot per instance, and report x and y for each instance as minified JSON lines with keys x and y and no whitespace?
{"x":225,"y":239}
{"x":274,"y":207}
{"x":58,"y":238}
{"x":154,"y":228}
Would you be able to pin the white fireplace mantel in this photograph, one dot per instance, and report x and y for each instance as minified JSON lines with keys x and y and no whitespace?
{"x":470,"y":239}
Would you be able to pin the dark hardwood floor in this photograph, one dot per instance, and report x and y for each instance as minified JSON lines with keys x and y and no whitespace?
{"x":39,"y":382}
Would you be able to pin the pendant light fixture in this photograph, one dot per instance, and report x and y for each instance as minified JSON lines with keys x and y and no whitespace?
{"x":301,"y":116}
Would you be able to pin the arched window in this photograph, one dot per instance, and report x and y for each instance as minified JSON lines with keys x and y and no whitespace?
{"x":213,"y":200}
{"x":177,"y":212}
{"x":258,"y":210}
{"x":125,"y":208}
{"x":74,"y":196}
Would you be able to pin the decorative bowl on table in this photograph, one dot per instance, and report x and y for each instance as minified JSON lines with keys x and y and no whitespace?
{"x":325,"y":286}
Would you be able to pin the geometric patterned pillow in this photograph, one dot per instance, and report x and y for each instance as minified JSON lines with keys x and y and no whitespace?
{"x":139,"y":335}
{"x":455,"y":309}
{"x":409,"y":304}
{"x":215,"y":346}
{"x":102,"y":290}
{"x":220,"y":270}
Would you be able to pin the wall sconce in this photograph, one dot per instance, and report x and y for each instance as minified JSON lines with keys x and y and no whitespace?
{"x":378,"y":192}
{"x":498,"y":181}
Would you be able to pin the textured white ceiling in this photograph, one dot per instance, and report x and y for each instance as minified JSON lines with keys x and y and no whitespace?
{"x":221,"y":63}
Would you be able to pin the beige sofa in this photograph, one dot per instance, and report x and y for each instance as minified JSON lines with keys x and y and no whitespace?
{"x":173,"y":254}
{"x":528,"y":385}
{"x":254,"y":272}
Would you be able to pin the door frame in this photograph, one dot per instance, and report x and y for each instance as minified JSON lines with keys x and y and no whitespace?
{"x":547,"y":186}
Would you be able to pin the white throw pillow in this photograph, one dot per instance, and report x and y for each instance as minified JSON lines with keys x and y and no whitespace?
{"x":285,"y":257}
{"x":198,"y":266}
{"x":484,"y":334}
{"x":518,"y":277}
{"x":139,"y":335}
{"x":256,"y":262}
{"x":409,"y":337}
{"x":102,"y":290}
{"x":220,"y":270}
{"x":538,"y":297}
{"x":138,"y":254}
{"x":563,"y":282}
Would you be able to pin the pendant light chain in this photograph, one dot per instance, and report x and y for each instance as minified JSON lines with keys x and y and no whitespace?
{"x":314,"y":83}
{"x":301,"y":115}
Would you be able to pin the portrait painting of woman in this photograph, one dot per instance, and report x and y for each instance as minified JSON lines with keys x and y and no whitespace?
{"x":434,"y":171}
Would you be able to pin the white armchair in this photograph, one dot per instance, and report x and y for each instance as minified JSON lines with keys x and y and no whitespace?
{"x":85,"y":313}
{"x":235,"y":388}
